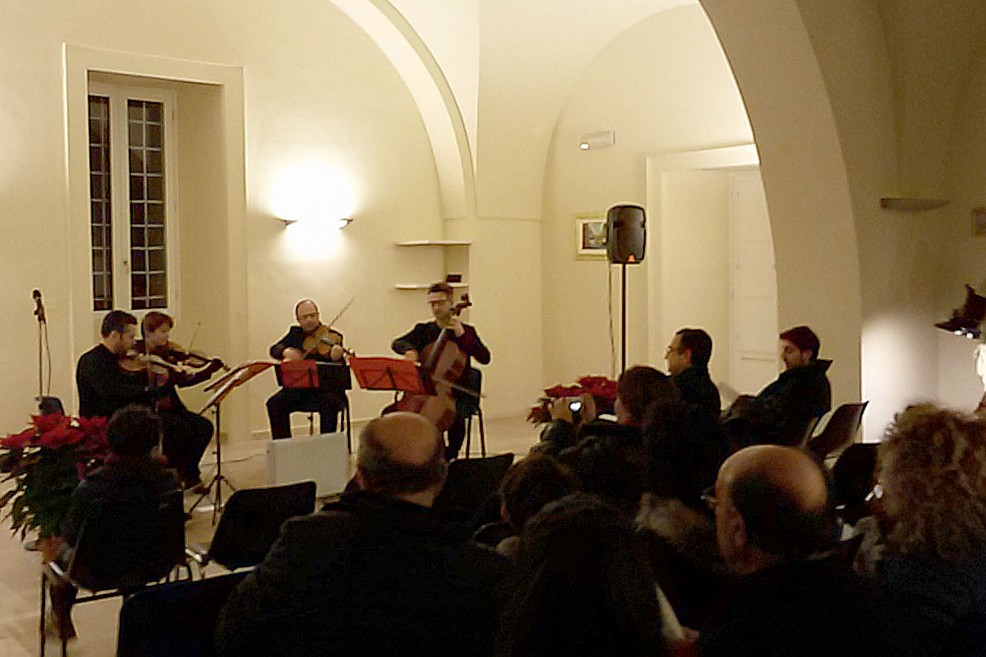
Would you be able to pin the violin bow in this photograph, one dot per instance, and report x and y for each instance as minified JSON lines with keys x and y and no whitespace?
{"x":344,"y":309}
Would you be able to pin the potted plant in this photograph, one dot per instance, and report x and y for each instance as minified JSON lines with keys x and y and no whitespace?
{"x":46,"y":461}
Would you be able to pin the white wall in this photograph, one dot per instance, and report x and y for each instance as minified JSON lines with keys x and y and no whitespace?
{"x":662,"y":85}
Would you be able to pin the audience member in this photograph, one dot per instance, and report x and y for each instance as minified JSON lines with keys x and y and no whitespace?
{"x":636,"y":389}
{"x":772,"y":520}
{"x":604,"y":468}
{"x":688,"y":363}
{"x":129,"y":473}
{"x":580,"y":587}
{"x":529,"y":485}
{"x":685,"y":447}
{"x":781,"y":413}
{"x":375,"y":573}
{"x":933,"y":474}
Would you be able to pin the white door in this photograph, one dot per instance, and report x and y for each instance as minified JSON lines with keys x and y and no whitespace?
{"x":753,"y":281}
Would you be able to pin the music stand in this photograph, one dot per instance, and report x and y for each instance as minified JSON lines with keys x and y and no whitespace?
{"x":223,"y":386}
{"x":383,"y":373}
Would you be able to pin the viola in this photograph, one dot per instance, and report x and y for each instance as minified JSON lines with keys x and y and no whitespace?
{"x":443,"y":362}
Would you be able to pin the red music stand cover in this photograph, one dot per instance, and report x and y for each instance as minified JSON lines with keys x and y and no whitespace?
{"x":383,"y":373}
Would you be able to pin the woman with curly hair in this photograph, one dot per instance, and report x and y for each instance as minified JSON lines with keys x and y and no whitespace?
{"x":933,"y":473}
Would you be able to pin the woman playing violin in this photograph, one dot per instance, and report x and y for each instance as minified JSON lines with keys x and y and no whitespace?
{"x":312,"y":340}
{"x":185,"y":435}
{"x":463,"y":337}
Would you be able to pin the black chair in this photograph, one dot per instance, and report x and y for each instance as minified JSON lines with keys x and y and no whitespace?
{"x":122,"y":547}
{"x":475,"y":410}
{"x":853,"y":478}
{"x":177,"y":618}
{"x":840,"y":431}
{"x":471,"y":482}
{"x":251,"y":522}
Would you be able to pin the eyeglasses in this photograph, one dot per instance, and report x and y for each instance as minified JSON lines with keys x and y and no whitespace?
{"x":709,"y":497}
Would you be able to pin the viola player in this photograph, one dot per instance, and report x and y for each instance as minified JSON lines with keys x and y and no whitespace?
{"x":462,"y":336}
{"x":309,"y":339}
{"x":185,"y":435}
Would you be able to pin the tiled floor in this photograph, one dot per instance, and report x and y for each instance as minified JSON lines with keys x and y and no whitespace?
{"x":96,"y":622}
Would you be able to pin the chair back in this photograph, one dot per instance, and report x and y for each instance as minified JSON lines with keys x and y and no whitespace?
{"x":471,"y":482}
{"x":252,"y":520}
{"x":128,"y":543}
{"x":178,"y":618}
{"x":840,"y":430}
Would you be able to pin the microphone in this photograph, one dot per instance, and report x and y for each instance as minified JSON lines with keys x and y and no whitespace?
{"x":39,"y":307}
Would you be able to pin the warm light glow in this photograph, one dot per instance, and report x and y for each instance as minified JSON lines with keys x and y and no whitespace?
{"x":584,"y":145}
{"x":312,"y":191}
{"x":313,"y":241}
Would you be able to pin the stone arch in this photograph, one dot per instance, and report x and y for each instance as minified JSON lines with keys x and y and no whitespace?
{"x":804,"y":173}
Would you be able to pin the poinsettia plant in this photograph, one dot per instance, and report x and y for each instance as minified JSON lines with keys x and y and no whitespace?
{"x":46,"y":461}
{"x":602,"y":389}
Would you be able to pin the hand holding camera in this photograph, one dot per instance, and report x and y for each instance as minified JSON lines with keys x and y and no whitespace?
{"x":576,"y":410}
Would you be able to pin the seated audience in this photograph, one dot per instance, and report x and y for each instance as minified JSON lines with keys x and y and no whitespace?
{"x":129,"y":473}
{"x":604,"y":468}
{"x":685,"y":447}
{"x":636,"y":389}
{"x":688,"y":358}
{"x":580,"y":587}
{"x":781,"y":413}
{"x":933,"y":473}
{"x":772,"y":521}
{"x":529,"y":485}
{"x":375,"y":573}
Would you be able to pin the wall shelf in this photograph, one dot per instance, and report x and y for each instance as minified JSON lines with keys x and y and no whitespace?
{"x":434,"y":243}
{"x":454,"y":258}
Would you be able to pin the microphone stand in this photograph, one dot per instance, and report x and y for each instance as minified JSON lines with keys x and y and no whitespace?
{"x":39,"y":312}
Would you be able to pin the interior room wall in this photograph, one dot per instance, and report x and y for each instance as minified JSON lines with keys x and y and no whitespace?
{"x":662,"y":85}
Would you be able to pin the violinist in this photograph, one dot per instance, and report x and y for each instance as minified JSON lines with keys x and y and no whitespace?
{"x":104,"y":386}
{"x":185,"y":435}
{"x":463,"y":336}
{"x":309,"y":339}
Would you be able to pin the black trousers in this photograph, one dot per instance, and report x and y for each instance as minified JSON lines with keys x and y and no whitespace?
{"x":327,"y":404}
{"x":186,"y":436}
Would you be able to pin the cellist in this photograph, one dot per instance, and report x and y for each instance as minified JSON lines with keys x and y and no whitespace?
{"x":462,"y":336}
{"x":313,"y":340}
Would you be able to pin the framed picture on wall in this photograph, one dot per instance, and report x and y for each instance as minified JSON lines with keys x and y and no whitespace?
{"x":590,"y":235}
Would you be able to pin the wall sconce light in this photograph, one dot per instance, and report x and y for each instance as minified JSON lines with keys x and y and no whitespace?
{"x":597,"y":140}
{"x":337,"y":223}
{"x":965,"y":321}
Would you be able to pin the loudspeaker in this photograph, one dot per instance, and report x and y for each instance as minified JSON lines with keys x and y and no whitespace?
{"x":626,"y":234}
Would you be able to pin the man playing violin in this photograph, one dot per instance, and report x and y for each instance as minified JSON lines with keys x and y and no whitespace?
{"x":185,"y":435}
{"x":464,"y":337}
{"x":104,"y":386}
{"x":312,"y":340}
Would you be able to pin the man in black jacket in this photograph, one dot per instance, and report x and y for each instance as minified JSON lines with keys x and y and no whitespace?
{"x":688,"y":363}
{"x":104,"y":387}
{"x":463,"y":336}
{"x":376,"y":573}
{"x":773,"y":526}
{"x":781,"y":413}
{"x":326,"y":347}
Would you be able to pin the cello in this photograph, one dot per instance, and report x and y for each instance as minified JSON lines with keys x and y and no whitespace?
{"x":442,"y":362}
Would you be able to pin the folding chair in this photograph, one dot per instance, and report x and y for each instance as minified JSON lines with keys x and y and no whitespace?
{"x":475,"y":410}
{"x":177,"y":618}
{"x":251,"y":522}
{"x":123,"y":546}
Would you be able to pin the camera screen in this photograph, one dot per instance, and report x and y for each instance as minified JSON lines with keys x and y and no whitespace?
{"x":575,"y":406}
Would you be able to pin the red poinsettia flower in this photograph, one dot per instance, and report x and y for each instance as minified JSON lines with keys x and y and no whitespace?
{"x":563,"y":391}
{"x":62,"y":434}
{"x":46,"y":423}
{"x":19,"y":440}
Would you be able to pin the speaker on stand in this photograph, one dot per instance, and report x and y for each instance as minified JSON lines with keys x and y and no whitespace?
{"x":626,"y":242}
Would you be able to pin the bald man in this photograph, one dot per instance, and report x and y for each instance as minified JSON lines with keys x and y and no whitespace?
{"x":375,"y":573}
{"x":792,"y":598}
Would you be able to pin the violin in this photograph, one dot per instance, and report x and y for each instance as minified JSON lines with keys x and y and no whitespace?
{"x":321,"y":341}
{"x":178,"y":355}
{"x":443,"y":362}
{"x":170,"y":363}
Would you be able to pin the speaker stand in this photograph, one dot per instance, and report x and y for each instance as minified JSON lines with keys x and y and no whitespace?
{"x":623,"y":319}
